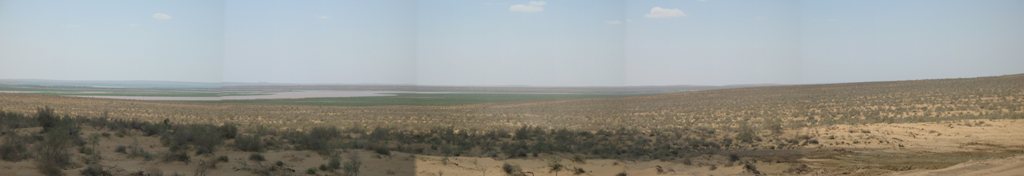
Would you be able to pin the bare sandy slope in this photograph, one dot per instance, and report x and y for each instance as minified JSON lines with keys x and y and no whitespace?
{"x":967,"y":147}
{"x":993,"y":167}
{"x":937,"y":137}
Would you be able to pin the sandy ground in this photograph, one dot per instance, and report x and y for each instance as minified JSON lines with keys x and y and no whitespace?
{"x":954,"y":136}
{"x":968,"y":147}
{"x":993,"y":167}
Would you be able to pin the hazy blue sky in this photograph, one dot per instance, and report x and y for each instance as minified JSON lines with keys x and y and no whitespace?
{"x":511,"y":42}
{"x":173,"y":40}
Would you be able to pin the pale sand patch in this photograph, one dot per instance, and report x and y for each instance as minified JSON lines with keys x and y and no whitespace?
{"x":938,"y":137}
{"x":993,"y":167}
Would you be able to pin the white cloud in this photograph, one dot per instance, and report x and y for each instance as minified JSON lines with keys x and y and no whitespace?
{"x":658,"y":12}
{"x":162,"y":16}
{"x":324,"y":17}
{"x":531,"y":7}
{"x":613,"y":22}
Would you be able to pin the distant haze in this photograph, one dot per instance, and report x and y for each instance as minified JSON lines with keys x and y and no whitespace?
{"x":511,"y":42}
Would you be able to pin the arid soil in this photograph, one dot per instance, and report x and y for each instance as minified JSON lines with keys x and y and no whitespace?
{"x":970,"y":147}
{"x":931,"y":127}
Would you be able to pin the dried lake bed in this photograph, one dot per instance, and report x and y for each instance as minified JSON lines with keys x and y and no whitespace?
{"x":262,"y":96}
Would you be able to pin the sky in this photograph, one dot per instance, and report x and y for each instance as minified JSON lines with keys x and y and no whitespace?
{"x":511,"y":42}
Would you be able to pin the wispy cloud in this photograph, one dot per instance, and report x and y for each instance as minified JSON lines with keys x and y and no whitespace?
{"x":531,"y":7}
{"x":613,"y":22}
{"x":324,"y":17}
{"x":162,"y":16}
{"x":658,"y":12}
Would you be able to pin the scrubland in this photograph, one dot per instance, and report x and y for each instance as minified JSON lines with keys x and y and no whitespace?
{"x":947,"y":126}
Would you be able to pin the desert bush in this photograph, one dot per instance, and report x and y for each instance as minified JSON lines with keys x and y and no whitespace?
{"x":10,"y":120}
{"x":149,"y":129}
{"x":555,"y":165}
{"x":578,"y":171}
{"x":95,"y":170}
{"x":121,"y":149}
{"x":746,"y":133}
{"x":351,"y":167}
{"x":512,"y":170}
{"x":15,"y":147}
{"x":578,"y":159}
{"x":798,"y":169}
{"x":205,"y":138}
{"x":177,"y":155}
{"x":52,"y":154}
{"x":257,"y":157}
{"x":334,"y":163}
{"x":203,"y":167}
{"x":135,"y":150}
{"x":775,"y":125}
{"x":751,"y":168}
{"x":47,"y":119}
{"x":249,"y":143}
{"x":382,"y":151}
{"x":319,"y":139}
{"x":153,"y":171}
{"x":222,"y":159}
{"x":229,"y":131}
{"x":93,"y":156}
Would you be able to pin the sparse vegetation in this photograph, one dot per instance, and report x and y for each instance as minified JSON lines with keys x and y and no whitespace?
{"x":730,"y":125}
